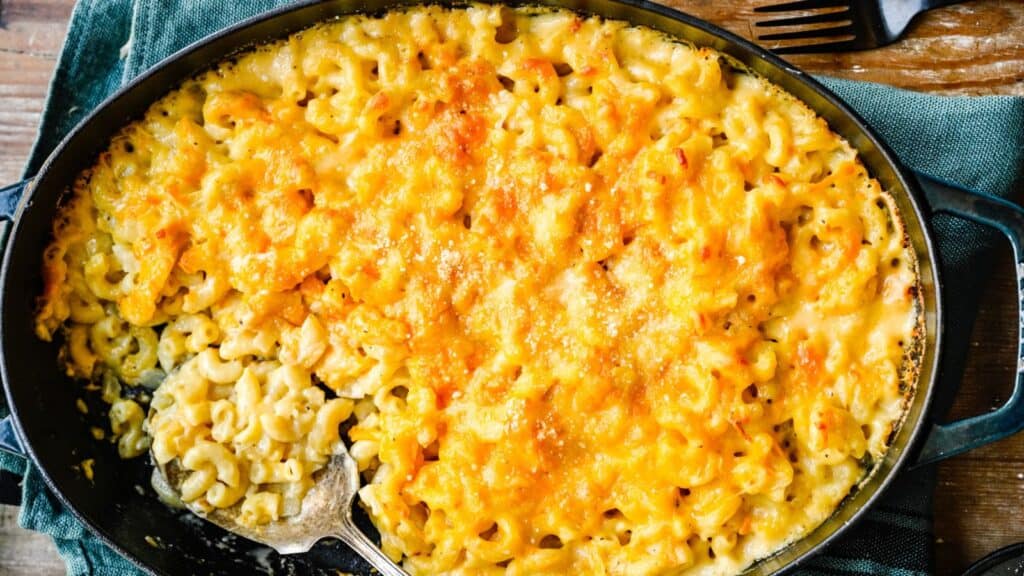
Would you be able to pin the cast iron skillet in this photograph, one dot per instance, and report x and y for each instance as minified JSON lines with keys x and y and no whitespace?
{"x":120,"y":507}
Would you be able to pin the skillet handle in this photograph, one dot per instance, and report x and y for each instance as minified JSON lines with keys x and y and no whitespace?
{"x":9,"y":197}
{"x":9,"y":441}
{"x":10,"y":484}
{"x":945,"y":440}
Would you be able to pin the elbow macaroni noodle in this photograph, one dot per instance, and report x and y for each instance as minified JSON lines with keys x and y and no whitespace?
{"x":587,"y":300}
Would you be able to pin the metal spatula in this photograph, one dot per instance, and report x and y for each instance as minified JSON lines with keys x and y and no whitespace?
{"x":847,"y":24}
{"x":326,"y":513}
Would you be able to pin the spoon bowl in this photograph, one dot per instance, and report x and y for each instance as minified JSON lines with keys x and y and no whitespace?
{"x":326,"y":513}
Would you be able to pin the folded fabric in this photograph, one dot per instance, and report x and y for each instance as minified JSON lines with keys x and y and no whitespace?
{"x":975,"y":142}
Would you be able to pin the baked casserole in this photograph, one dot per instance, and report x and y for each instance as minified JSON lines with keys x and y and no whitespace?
{"x":578,"y":298}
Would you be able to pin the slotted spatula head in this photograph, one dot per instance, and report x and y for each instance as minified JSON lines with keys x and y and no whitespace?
{"x":837,"y":25}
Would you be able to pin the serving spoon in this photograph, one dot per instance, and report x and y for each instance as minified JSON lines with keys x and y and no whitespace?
{"x":326,"y":512}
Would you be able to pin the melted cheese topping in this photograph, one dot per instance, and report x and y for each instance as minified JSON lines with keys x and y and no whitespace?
{"x":592,"y":301}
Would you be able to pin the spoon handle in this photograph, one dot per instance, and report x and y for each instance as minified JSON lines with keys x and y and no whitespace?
{"x":354,"y":537}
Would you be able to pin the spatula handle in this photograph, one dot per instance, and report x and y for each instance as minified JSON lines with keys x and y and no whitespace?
{"x":362,"y":545}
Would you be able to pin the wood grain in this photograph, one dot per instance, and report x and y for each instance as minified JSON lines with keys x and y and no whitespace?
{"x":972,"y":48}
{"x":24,"y":553}
{"x":979,"y":500}
{"x":31,"y":34}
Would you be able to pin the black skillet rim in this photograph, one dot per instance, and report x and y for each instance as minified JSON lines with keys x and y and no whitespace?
{"x":996,"y":559}
{"x":748,"y":51}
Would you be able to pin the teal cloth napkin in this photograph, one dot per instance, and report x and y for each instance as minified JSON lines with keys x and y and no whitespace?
{"x":975,"y":142}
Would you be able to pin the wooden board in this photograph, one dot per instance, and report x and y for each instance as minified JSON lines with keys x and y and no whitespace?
{"x":24,"y":553}
{"x":972,"y":48}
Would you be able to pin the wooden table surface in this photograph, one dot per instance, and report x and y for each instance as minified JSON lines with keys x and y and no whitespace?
{"x":972,"y":48}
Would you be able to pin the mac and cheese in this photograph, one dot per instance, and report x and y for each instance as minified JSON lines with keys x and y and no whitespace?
{"x":585,"y":299}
